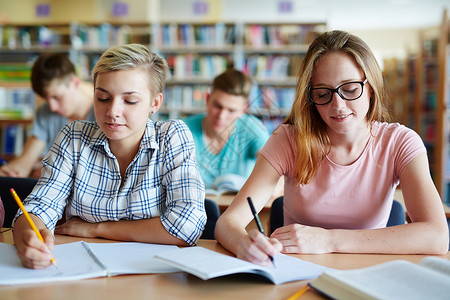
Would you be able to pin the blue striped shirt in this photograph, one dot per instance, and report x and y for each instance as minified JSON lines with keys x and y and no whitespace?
{"x":163,"y":180}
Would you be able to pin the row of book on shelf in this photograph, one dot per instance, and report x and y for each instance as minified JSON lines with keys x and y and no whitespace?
{"x":167,"y":35}
{"x":262,"y":35}
{"x":12,"y":138}
{"x":25,"y":37}
{"x":277,"y":100}
{"x":276,"y":67}
{"x":207,"y":66}
{"x":190,"y":35}
{"x":15,"y":104}
{"x":221,"y":34}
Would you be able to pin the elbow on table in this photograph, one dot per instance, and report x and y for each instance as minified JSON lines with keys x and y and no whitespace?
{"x":439,"y":244}
{"x":219,"y":229}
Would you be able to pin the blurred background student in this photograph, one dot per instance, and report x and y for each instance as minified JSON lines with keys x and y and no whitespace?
{"x":67,"y":98}
{"x":226,"y":138}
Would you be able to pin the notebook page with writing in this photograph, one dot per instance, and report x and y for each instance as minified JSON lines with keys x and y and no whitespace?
{"x":207,"y":264}
{"x":73,"y":263}
{"x":132,"y":258}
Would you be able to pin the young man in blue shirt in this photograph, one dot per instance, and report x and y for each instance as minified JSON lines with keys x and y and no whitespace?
{"x":226,"y":138}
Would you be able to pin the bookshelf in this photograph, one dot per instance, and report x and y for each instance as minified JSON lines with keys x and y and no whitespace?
{"x":16,"y":115}
{"x":393,"y":73}
{"x":269,"y":52}
{"x":195,"y":51}
{"x":442,"y":177}
{"x":89,"y":40}
{"x":426,"y":110}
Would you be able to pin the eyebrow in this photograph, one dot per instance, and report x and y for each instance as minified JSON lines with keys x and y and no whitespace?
{"x":323,"y":85}
{"x":124,"y":93}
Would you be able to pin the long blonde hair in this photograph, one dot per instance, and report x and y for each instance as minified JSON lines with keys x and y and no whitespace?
{"x":313,"y":142}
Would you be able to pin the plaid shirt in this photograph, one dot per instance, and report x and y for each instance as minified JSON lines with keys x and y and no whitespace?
{"x":163,"y":180}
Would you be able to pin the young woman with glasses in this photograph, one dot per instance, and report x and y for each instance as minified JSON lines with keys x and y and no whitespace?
{"x":342,"y":162}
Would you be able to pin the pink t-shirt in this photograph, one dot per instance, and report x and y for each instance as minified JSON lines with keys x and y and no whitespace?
{"x":356,"y":196}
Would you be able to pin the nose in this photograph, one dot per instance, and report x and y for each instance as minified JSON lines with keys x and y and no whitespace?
{"x":115,"y":108}
{"x":53,"y":104}
{"x":222,"y":114}
{"x":336,"y":100}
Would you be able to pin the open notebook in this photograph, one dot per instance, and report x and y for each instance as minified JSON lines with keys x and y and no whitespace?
{"x":207,"y":264}
{"x":82,"y":260}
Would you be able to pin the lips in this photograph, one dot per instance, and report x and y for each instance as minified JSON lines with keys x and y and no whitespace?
{"x":113,"y":125}
{"x":341,"y":117}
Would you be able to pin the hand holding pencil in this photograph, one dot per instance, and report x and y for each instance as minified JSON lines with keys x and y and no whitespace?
{"x":32,"y":224}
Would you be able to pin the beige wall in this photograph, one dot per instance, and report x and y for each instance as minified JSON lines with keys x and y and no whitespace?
{"x":62,"y":11}
{"x":389,"y":43}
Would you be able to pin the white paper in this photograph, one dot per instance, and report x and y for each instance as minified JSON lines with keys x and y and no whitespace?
{"x":74,"y":262}
{"x":132,"y":258}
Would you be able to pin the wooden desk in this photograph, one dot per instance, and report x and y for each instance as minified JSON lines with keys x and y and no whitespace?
{"x":182,"y":285}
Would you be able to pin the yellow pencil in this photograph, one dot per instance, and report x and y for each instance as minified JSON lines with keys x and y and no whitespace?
{"x":27,"y":216}
{"x":299,"y":293}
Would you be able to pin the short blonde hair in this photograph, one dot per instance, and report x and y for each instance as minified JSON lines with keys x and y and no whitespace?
{"x":131,"y":56}
{"x":312,"y":139}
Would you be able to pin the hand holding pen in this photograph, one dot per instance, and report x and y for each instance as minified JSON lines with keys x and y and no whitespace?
{"x":258,"y":223}
{"x":29,"y":220}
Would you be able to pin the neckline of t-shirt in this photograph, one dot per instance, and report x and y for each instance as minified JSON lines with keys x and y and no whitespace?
{"x":372,"y":136}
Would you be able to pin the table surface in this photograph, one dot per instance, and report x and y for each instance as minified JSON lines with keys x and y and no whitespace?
{"x":182,"y":285}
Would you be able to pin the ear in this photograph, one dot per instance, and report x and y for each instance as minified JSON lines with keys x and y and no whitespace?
{"x":208,"y":97}
{"x":156,"y":103}
{"x":76,"y":81}
{"x":246,"y":105}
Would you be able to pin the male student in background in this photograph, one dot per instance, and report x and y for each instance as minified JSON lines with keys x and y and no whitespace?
{"x":226,"y":138}
{"x":67,"y":98}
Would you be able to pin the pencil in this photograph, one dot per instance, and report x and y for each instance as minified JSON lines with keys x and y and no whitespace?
{"x":298,"y":294}
{"x":258,"y":223}
{"x":30,"y":221}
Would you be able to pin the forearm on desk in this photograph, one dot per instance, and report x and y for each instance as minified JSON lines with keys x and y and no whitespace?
{"x":411,"y":238}
{"x":146,"y":231}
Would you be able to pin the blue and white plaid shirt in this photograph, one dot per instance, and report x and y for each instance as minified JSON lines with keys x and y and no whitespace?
{"x":163,"y":180}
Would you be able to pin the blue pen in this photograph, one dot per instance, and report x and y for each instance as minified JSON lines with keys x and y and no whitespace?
{"x":2,"y":162}
{"x":258,"y":223}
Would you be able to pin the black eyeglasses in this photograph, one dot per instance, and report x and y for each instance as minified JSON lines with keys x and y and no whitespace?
{"x":348,"y":91}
